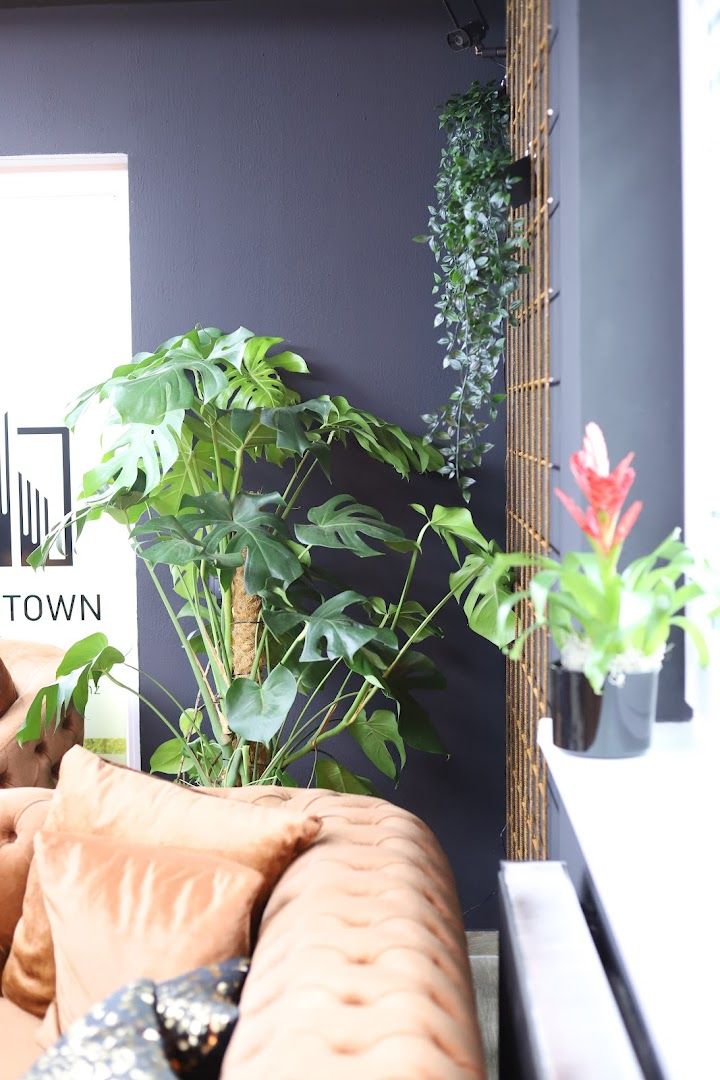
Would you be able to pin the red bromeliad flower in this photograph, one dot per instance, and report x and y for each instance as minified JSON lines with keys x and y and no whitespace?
{"x":605,"y":491}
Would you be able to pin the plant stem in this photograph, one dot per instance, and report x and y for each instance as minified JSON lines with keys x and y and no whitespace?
{"x":239,"y":454}
{"x":324,"y":710}
{"x":176,"y":732}
{"x":289,"y":504}
{"x":231,"y":774}
{"x":319,"y":737}
{"x":227,"y":618}
{"x":218,"y":460}
{"x":301,"y":637}
{"x":409,"y":575}
{"x":259,"y":651}
{"x":328,"y":674}
{"x":296,"y":494}
{"x":210,"y":644}
{"x":366,"y":692}
{"x":221,"y":664}
{"x":237,"y":477}
{"x":296,"y":472}
{"x":418,"y":630}
{"x":191,"y":469}
{"x":155,"y":682}
{"x":278,"y":756}
{"x":197,"y":671}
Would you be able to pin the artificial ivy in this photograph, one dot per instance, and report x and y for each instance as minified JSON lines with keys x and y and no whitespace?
{"x":477,"y":249}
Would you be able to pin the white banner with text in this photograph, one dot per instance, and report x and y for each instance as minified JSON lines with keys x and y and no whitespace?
{"x":65,"y":299}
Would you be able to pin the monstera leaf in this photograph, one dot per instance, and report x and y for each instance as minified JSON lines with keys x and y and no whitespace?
{"x":224,"y":533}
{"x":179,"y":480}
{"x":330,"y":774}
{"x":414,"y":671}
{"x":454,"y":523}
{"x":255,"y":383}
{"x":408,"y":618}
{"x":83,"y":664}
{"x":257,"y":712}
{"x":342,"y":635}
{"x":488,"y":593}
{"x":137,"y":460}
{"x":385,"y":442}
{"x":293,"y":428}
{"x":342,"y":522}
{"x":229,"y":348}
{"x":145,"y":392}
{"x":171,"y":757}
{"x":375,"y":734}
{"x":133,"y":467}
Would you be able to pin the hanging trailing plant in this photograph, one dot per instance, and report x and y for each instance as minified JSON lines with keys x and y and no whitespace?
{"x":477,"y":249}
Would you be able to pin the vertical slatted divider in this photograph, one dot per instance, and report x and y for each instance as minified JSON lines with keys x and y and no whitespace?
{"x":528,"y":420}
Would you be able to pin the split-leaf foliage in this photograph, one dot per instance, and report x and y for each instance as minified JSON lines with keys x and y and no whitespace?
{"x":188,"y":423}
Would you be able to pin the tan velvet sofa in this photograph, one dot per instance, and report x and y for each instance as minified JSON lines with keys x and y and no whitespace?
{"x":360,"y":971}
{"x":35,"y":764}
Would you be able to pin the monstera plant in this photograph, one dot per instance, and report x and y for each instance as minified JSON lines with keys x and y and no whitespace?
{"x":284,"y":656}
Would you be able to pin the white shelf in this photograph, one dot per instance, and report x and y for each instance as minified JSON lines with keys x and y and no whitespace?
{"x":649,"y":832}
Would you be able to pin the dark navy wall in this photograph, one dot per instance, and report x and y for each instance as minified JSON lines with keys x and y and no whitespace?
{"x":281,"y":158}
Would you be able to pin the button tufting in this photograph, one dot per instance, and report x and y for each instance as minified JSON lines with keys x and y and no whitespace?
{"x":353,"y":999}
{"x":382,"y":933}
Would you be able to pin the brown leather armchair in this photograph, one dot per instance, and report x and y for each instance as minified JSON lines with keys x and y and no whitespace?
{"x":35,"y":764}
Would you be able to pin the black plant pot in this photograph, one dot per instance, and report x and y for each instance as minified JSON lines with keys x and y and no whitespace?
{"x":615,"y":724}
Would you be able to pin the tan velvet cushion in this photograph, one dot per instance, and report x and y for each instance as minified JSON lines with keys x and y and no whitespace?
{"x":19,"y":1048}
{"x":93,"y":796}
{"x":120,"y":912}
{"x":8,"y":693}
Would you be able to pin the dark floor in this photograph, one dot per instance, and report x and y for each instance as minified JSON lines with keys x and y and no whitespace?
{"x":483,"y":953}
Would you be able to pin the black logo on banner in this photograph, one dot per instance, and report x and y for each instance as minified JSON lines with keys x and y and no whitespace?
{"x":33,"y":503}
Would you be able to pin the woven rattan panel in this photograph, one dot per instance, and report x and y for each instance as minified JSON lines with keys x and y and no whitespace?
{"x":528,"y":420}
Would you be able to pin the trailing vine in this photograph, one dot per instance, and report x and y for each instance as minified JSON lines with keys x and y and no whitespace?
{"x":477,"y":249}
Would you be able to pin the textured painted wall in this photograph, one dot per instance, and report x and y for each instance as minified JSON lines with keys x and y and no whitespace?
{"x":617,"y":321}
{"x":281,"y":158}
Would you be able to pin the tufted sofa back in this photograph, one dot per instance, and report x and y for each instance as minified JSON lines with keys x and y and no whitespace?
{"x":36,"y":764}
{"x":360,"y":971}
{"x":22,"y":812}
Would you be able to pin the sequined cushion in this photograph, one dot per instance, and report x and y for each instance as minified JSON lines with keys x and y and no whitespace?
{"x":152,"y":1031}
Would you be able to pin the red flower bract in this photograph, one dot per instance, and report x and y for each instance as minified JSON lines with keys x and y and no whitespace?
{"x":605,"y":491}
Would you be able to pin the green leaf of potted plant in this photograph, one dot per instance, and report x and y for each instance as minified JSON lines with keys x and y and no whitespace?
{"x":611,"y":626}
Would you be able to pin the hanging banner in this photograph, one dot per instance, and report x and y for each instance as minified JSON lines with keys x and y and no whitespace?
{"x":65,"y":302}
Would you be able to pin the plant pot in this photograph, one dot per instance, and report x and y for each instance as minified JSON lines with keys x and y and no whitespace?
{"x":614,"y":724}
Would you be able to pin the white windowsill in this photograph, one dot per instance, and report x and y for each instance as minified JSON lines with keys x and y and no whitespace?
{"x":649,"y":832}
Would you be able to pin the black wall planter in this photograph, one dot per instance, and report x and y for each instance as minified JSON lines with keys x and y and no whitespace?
{"x":614,"y":724}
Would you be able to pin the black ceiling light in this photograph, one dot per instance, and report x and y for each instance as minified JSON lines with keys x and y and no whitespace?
{"x":472,"y":34}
